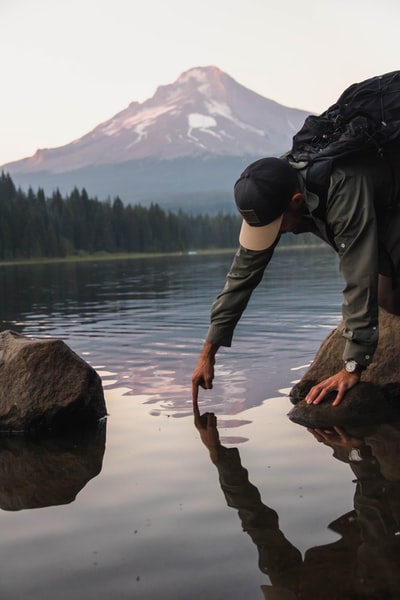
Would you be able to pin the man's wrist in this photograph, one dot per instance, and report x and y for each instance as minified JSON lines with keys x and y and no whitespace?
{"x":209,"y":350}
{"x":353,"y":367}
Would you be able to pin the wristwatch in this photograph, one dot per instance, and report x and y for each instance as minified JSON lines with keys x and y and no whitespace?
{"x":355,"y":455}
{"x":352,"y":366}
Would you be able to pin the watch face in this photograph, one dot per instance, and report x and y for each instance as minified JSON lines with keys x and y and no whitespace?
{"x":350,"y":366}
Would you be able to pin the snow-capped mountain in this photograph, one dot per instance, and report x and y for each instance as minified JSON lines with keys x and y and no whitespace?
{"x":205,"y":115}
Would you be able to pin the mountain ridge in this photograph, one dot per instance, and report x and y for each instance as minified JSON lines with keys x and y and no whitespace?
{"x":205,"y":120}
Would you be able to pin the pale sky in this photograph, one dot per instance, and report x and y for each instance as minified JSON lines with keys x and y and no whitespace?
{"x":68,"y":65}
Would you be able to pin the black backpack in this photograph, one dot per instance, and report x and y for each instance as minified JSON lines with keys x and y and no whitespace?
{"x":365,"y":119}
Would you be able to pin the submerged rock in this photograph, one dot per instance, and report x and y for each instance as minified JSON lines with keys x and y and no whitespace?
{"x":45,"y":386}
{"x":375,"y":398}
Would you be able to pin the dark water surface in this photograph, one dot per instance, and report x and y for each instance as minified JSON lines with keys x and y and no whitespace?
{"x":142,"y":509}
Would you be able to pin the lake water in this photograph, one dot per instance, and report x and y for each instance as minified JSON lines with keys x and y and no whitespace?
{"x":139,"y":510}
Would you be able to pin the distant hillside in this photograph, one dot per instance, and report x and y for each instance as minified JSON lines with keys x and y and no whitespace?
{"x":183,"y":147}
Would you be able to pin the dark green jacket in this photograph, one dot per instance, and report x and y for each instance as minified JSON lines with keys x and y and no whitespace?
{"x":360,"y":219}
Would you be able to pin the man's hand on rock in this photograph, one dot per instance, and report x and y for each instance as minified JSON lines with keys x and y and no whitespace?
{"x":340,"y":382}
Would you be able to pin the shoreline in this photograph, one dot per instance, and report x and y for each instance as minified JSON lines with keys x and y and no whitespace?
{"x":137,"y":255}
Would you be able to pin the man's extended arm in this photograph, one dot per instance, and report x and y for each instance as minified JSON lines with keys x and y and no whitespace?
{"x":245,"y":274}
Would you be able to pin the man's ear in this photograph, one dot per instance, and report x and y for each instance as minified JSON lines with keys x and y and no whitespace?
{"x":297,"y":200}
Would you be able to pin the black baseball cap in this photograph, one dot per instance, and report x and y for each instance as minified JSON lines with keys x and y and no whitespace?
{"x":262,"y":194}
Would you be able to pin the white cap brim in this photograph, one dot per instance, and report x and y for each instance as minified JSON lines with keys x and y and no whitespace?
{"x":259,"y":238}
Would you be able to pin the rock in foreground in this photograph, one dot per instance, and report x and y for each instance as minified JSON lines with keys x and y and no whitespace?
{"x":45,"y":386}
{"x":364,"y":404}
{"x":374,"y":399}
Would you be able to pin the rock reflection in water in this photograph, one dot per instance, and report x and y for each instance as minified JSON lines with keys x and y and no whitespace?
{"x":365,"y":562}
{"x":36,"y":472}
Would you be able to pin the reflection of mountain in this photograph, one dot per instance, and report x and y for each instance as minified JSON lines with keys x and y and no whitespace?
{"x":35,"y":473}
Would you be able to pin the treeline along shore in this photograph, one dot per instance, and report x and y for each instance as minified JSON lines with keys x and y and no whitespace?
{"x":33,"y":226}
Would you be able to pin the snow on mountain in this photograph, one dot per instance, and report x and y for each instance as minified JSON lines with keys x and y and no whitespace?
{"x":204,"y":113}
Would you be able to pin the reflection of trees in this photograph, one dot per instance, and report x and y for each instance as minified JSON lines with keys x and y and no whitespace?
{"x":46,"y":472}
{"x":364,"y":563}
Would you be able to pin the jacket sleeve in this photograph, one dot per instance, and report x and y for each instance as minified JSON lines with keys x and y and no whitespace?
{"x":245,"y":274}
{"x":351,"y":218}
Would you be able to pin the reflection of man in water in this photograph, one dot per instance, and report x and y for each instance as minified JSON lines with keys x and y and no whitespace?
{"x":365,"y":562}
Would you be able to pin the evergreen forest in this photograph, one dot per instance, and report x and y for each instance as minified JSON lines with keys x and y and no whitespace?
{"x":35,"y":226}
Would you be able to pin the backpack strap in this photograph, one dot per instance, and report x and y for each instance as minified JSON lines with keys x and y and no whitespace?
{"x":317,"y":181}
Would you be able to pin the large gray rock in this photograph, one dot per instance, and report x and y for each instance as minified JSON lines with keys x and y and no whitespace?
{"x":45,"y":386}
{"x":375,"y":398}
